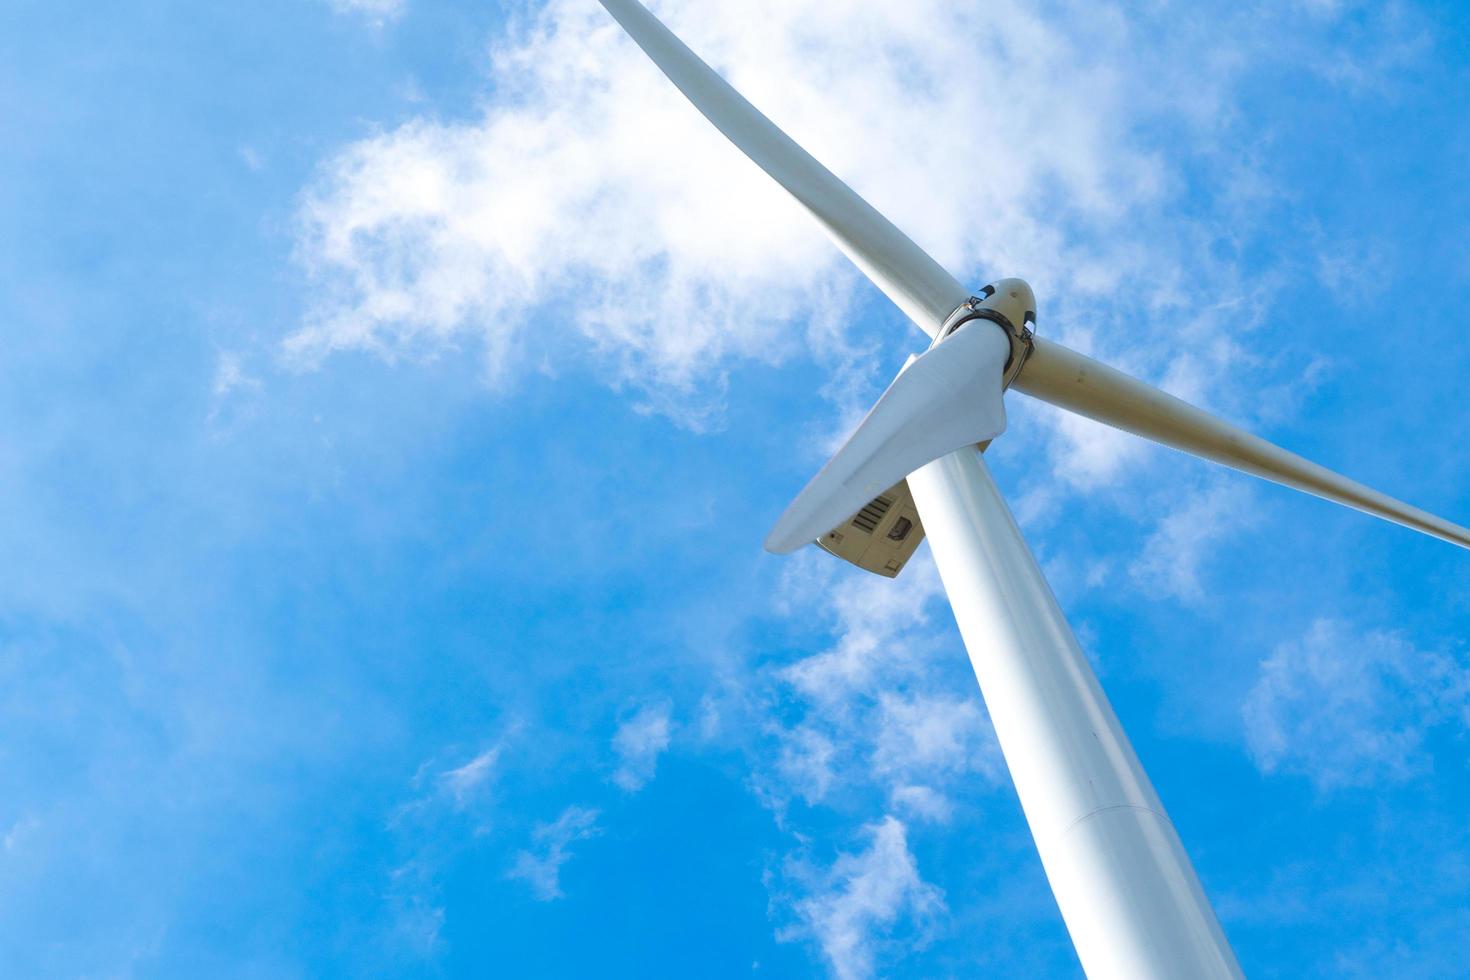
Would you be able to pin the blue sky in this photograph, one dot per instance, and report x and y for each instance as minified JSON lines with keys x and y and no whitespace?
{"x":395,"y":396}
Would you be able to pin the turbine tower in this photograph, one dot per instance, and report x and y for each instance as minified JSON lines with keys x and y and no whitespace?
{"x":1126,"y":889}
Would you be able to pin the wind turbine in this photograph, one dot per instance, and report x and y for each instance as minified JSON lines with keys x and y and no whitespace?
{"x":1126,"y":889}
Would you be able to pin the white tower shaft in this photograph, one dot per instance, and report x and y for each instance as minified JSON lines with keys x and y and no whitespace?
{"x":1127,"y":891}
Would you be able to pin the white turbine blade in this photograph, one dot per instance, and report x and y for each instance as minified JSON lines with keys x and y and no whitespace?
{"x":1072,"y":381}
{"x":944,"y":399}
{"x":905,"y":272}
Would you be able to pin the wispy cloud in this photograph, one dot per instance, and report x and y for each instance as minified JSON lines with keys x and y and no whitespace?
{"x":1173,"y":556}
{"x":541,"y":869}
{"x":806,"y":763}
{"x":564,"y":195}
{"x":639,"y":742}
{"x":230,"y":376}
{"x":1347,"y":708}
{"x":252,"y":158}
{"x":464,"y":782}
{"x":17,"y":833}
{"x":883,"y":719}
{"x":922,"y":803}
{"x":464,"y":787}
{"x":859,"y":901}
{"x":880,"y":707}
{"x":417,"y":921}
{"x":451,"y":809}
{"x":934,"y":735}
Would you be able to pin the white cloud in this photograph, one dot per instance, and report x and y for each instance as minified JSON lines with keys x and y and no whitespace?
{"x":1088,"y":454}
{"x":889,"y":703}
{"x":232,"y":388}
{"x":934,"y":735}
{"x":1350,"y":709}
{"x":20,"y":830}
{"x":639,"y":742}
{"x":464,"y":782}
{"x":418,"y":921}
{"x":886,"y":716}
{"x":451,"y":807}
{"x":854,"y":905}
{"x":589,"y":207}
{"x":542,"y":871}
{"x":464,"y":788}
{"x":230,"y":375}
{"x":1171,"y":559}
{"x":873,"y":619}
{"x":922,"y":803}
{"x":806,"y":762}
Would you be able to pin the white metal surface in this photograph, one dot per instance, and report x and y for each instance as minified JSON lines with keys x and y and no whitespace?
{"x":947,"y":397}
{"x":1127,"y":890}
{"x":921,"y":287}
{"x":1075,"y":382}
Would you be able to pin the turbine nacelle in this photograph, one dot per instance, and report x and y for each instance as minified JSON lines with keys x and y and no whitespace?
{"x":883,"y":534}
{"x":1009,"y":303}
{"x":944,"y":399}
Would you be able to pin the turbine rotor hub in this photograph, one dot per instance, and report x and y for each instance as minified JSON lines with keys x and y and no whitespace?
{"x":1010,"y":305}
